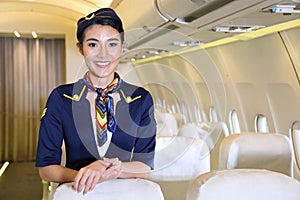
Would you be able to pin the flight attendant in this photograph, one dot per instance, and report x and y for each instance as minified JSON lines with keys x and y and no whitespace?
{"x":106,"y":124}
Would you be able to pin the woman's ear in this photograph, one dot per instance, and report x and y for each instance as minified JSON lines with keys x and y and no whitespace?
{"x":80,"y":48}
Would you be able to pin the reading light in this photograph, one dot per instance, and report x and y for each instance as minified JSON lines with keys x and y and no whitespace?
{"x":17,"y":34}
{"x":285,"y":9}
{"x":34,"y":35}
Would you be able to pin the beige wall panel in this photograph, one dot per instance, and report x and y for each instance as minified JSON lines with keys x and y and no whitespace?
{"x":252,"y":71}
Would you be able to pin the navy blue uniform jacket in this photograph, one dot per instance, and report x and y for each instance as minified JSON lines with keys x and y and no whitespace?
{"x":67,"y":118}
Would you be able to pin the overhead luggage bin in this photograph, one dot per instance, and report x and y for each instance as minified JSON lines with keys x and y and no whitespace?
{"x":152,"y":19}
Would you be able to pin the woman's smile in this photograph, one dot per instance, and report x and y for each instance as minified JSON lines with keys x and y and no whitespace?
{"x":102,"y":64}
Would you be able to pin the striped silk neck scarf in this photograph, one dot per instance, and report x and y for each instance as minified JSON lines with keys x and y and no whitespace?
{"x":105,"y":120}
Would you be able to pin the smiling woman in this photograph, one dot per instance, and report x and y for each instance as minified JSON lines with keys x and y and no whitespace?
{"x":171,"y":60}
{"x":106,"y":136}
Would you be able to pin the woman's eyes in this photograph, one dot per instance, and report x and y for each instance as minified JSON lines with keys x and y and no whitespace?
{"x":92,"y":44}
{"x":110,"y":44}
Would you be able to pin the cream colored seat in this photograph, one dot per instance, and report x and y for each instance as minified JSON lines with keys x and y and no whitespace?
{"x":256,"y":150}
{"x":244,"y":184}
{"x":196,"y":130}
{"x":125,"y":189}
{"x":166,"y":124}
{"x":178,"y":160}
{"x":211,"y":132}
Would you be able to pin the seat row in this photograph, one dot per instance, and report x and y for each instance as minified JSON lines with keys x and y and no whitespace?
{"x":243,"y":159}
{"x":171,"y":124}
{"x":250,"y":166}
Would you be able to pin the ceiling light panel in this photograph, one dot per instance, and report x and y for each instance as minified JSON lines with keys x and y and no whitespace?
{"x":237,"y":28}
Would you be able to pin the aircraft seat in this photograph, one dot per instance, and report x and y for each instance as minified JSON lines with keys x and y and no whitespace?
{"x":166,"y":124}
{"x":246,"y":184}
{"x":113,"y":189}
{"x":125,"y":189}
{"x":178,"y":160}
{"x":256,"y":150}
{"x":211,"y":132}
{"x":208,"y":131}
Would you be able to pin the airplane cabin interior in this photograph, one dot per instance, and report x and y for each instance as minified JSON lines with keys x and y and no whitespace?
{"x":225,"y":80}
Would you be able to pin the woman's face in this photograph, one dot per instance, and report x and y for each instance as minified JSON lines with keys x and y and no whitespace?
{"x":101,"y":48}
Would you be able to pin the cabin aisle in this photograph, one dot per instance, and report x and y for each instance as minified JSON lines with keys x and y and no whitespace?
{"x":21,"y":181}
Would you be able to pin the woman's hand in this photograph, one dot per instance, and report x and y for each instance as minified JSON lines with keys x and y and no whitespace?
{"x":89,"y":176}
{"x":96,"y":172}
{"x":113,"y":170}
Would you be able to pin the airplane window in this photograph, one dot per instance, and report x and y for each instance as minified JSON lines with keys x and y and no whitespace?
{"x":234,"y":124}
{"x":261,"y":124}
{"x":295,"y":137}
{"x":212,"y":114}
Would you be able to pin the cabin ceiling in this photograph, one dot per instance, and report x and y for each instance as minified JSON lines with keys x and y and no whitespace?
{"x":152,"y":24}
{"x":67,"y":9}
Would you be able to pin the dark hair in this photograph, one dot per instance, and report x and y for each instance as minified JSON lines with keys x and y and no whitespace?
{"x":103,"y":16}
{"x":108,"y":22}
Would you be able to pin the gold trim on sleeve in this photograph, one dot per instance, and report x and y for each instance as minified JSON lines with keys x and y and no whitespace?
{"x":44,"y":112}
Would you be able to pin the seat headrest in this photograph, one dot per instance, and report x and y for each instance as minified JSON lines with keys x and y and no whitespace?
{"x":246,"y":184}
{"x":256,"y":150}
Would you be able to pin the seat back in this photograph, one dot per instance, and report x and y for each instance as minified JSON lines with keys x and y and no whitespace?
{"x":245,"y":184}
{"x":180,"y":158}
{"x":256,"y":150}
{"x":166,"y":124}
{"x":211,"y":132}
{"x":125,"y":189}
